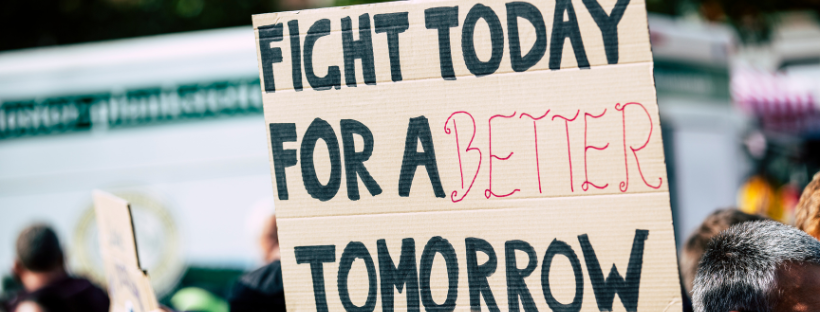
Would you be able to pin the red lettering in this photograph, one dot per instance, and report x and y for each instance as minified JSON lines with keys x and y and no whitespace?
{"x":587,"y":183}
{"x":624,"y":185}
{"x":569,"y":150}
{"x":489,"y":192}
{"x":469,"y":149}
{"x":535,"y":131}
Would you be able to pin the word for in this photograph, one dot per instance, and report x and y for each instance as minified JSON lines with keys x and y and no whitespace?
{"x":418,"y":130}
{"x":441,"y":20}
{"x":413,"y":279}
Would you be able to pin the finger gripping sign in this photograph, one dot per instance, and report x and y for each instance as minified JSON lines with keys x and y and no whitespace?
{"x":468,"y":155}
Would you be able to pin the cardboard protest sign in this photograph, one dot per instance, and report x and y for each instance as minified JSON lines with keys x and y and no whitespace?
{"x":128,"y":286}
{"x":468,"y":155}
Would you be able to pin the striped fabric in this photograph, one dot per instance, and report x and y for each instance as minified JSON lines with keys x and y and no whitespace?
{"x":783,"y":103}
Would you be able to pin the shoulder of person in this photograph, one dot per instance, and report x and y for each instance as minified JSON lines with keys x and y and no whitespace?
{"x":267,"y":279}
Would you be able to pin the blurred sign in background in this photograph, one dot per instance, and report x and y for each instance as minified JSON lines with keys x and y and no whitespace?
{"x":172,"y":123}
{"x":159,"y":102}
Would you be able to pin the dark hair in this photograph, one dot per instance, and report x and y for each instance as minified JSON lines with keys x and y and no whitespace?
{"x":38,"y":248}
{"x":737,"y":272}
{"x":695,"y":245}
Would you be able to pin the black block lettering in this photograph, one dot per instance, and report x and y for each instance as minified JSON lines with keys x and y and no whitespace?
{"x":320,"y":129}
{"x":443,"y":18}
{"x":333,"y":78}
{"x":561,"y":30}
{"x":516,"y":286}
{"x":530,"y":13}
{"x":419,"y":130}
{"x":354,"y":162}
{"x":608,"y":25}
{"x":393,"y":24}
{"x":476,"y":66}
{"x":315,"y":256}
{"x":477,"y":274}
{"x":280,"y":133}
{"x":443,"y":247}
{"x":269,"y":56}
{"x":353,"y":251}
{"x":561,"y":248}
{"x":295,"y":54}
{"x":358,"y":49}
{"x":399,"y":276}
{"x":605,"y":289}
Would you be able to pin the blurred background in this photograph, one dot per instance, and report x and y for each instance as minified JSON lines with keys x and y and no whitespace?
{"x":158,"y":101}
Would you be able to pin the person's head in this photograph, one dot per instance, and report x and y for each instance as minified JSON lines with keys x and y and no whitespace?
{"x":38,"y":255}
{"x":807,"y":212}
{"x":269,"y":240}
{"x":760,"y":266}
{"x":695,"y":245}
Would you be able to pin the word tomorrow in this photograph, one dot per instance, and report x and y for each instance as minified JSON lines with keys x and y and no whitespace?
{"x":414,"y":279}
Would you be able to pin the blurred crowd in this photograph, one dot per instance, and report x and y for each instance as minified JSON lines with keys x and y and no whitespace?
{"x":47,"y":286}
{"x":735,"y":261}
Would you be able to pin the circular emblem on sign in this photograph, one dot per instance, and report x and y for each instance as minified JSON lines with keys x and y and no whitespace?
{"x":158,"y":243}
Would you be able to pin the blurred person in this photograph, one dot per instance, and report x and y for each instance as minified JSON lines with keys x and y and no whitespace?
{"x":47,"y":287}
{"x":695,"y":245}
{"x":763,"y":266}
{"x":262,"y":290}
{"x":807,"y":212}
{"x":269,"y":240}
{"x":44,"y":303}
{"x":30,"y":306}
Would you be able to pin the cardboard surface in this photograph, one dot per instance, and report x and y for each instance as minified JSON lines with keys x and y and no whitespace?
{"x":485,"y":173}
{"x":128,"y":286}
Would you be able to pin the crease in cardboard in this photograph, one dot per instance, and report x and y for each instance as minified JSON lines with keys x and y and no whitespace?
{"x":427,"y":79}
{"x":511,"y":202}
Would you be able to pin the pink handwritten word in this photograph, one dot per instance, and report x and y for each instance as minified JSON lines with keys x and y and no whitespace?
{"x":489,"y":192}
{"x":587,"y":183}
{"x":624,"y":185}
{"x":535,"y":131}
{"x":451,"y":127}
{"x":569,"y":150}
{"x":469,"y":149}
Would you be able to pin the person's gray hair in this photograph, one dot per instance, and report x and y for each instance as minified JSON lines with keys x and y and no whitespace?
{"x":737,"y":271}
